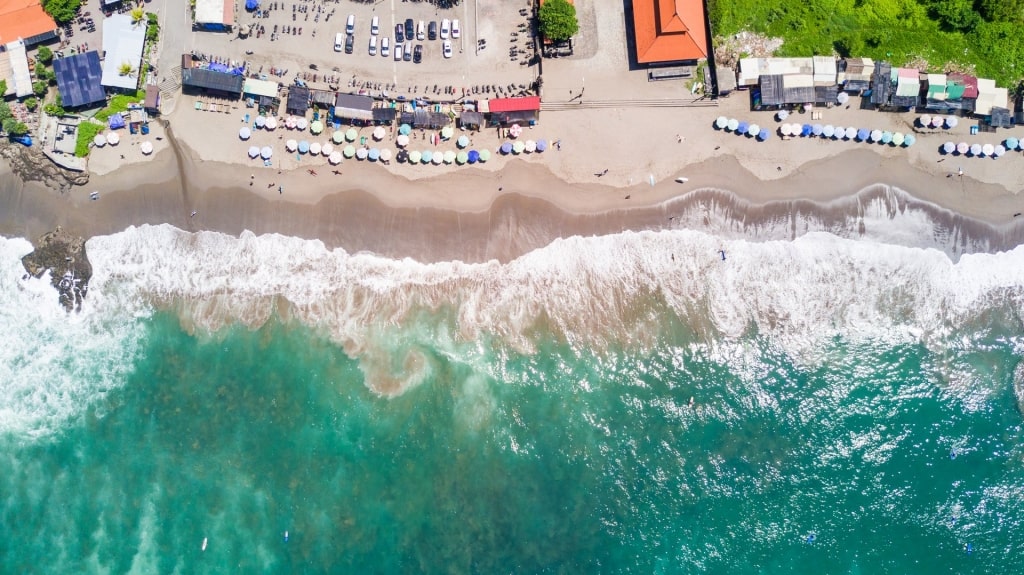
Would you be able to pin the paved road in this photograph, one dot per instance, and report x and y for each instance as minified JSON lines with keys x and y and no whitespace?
{"x":175,"y":31}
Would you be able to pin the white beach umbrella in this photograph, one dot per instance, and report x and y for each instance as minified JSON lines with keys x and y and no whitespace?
{"x":828,"y":131}
{"x":531,"y":147}
{"x":301,"y":124}
{"x":842,"y":98}
{"x":327,"y":149}
{"x":999,"y":151}
{"x":951,"y":121}
{"x":733,"y":124}
{"x":254,"y":151}
{"x":439,"y":158}
{"x":753,"y":130}
{"x":362,"y":153}
{"x":925,"y":120}
{"x":987,"y":149}
{"x":244,"y":132}
{"x":271,"y":123}
{"x":948,"y":147}
{"x":113,"y":139}
{"x":783,"y":114}
{"x":291,"y":145}
{"x":897,"y":139}
{"x":449,"y":157}
{"x":937,"y":121}
{"x":378,"y":133}
{"x":146,"y":148}
{"x":784,"y":130}
{"x":334,"y":158}
{"x":260,"y":121}
{"x":963,"y":148}
{"x":99,"y":141}
{"x":402,"y":141}
{"x":385,"y":155}
{"x":266,"y":152}
{"x":975,"y":149}
{"x":721,"y":122}
{"x":314,"y":148}
{"x":876,"y":135}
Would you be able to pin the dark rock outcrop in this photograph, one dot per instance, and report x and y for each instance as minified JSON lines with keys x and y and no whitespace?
{"x":64,"y":256}
{"x":31,"y":165}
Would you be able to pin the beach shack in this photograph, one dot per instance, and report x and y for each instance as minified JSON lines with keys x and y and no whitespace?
{"x":208,"y":81}
{"x":471,"y":120}
{"x":854,"y":74}
{"x":15,"y":71}
{"x":152,"y":101}
{"x":895,"y":89}
{"x":354,"y":109}
{"x":508,"y":111}
{"x":298,"y":100}
{"x":214,"y":15}
{"x":263,"y":94}
{"x":78,"y":80}
{"x":384,"y":115}
{"x":989,"y":97}
{"x":122,"y":46}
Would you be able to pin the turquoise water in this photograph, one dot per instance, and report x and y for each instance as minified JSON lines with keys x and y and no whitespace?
{"x":875,"y":457}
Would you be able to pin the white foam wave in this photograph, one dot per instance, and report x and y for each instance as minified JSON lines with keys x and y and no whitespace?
{"x":53,"y":364}
{"x":589,"y":290}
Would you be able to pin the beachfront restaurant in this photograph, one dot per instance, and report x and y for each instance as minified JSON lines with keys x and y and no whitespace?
{"x":507,"y":111}
{"x":262,"y":94}
{"x":384,"y":116}
{"x":78,"y":80}
{"x":123,"y":43}
{"x":298,"y":100}
{"x":471,"y":120}
{"x":212,"y":82}
{"x":354,"y":109}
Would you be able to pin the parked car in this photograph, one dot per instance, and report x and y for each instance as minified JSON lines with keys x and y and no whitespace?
{"x":417,"y":54}
{"x":373,"y":45}
{"x":350,"y":25}
{"x":385,"y":48}
{"x":432,"y":30}
{"x":398,"y":52}
{"x":350,"y":43}
{"x":456,"y":32}
{"x":410,"y":28}
{"x":399,"y":34}
{"x":419,"y":31}
{"x":408,"y":52}
{"x":446,"y":27}
{"x":339,"y":41}
{"x":446,"y":48}
{"x":375,"y":26}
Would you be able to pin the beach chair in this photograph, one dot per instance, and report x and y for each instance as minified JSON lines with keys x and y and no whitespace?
{"x":199,"y":105}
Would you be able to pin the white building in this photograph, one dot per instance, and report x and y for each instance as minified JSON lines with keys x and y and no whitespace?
{"x":122,"y":44}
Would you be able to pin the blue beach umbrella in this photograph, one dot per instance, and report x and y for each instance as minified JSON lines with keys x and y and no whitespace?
{"x":506,"y":148}
{"x":764,"y":134}
{"x":886,"y":137}
{"x":405,"y":129}
{"x":817,"y":129}
{"x":863,"y":134}
{"x":1012,"y":143}
{"x":542,"y":145}
{"x":828,"y":131}
{"x":475,"y":155}
{"x":806,"y":130}
{"x":742,"y":128}
{"x":426,"y":156}
{"x":909,"y":140}
{"x":303,"y":147}
{"x":374,"y":154}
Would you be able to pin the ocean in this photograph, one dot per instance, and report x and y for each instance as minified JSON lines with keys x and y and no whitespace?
{"x":647,"y":402}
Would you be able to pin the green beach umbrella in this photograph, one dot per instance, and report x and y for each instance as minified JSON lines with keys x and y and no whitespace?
{"x":349,"y":151}
{"x":351,"y":134}
{"x":415,"y":157}
{"x":447,"y":132}
{"x":897,"y":138}
{"x":338,"y":137}
{"x":316,"y":127}
{"x":461,"y":158}
{"x":518,"y":147}
{"x":449,"y":157}
{"x":405,"y":129}
{"x":485,"y":155}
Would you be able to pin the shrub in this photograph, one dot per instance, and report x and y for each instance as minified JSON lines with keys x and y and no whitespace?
{"x":63,"y":11}
{"x":86,"y":132}
{"x":44,"y":55}
{"x":39,"y":88}
{"x":31,"y":104}
{"x":14,"y":127}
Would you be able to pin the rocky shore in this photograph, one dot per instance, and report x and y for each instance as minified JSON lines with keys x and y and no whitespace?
{"x":31,"y":165}
{"x":63,"y":255}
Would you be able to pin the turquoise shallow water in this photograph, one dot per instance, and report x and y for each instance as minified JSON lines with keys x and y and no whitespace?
{"x":874,"y":458}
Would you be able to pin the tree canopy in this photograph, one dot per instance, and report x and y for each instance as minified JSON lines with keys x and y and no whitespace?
{"x":558,"y":20}
{"x":63,"y":11}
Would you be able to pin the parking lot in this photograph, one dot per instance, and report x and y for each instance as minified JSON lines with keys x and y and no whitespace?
{"x":472,"y":63}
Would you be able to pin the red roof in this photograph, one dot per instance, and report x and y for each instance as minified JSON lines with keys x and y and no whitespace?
{"x":23,"y":19}
{"x":514,"y":104}
{"x":669,"y":30}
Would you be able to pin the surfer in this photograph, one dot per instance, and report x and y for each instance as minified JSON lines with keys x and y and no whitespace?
{"x":205,"y":541}
{"x":193,"y":214}
{"x":723,"y":254}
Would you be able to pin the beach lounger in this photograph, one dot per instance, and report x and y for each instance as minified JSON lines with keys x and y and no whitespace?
{"x":199,"y":105}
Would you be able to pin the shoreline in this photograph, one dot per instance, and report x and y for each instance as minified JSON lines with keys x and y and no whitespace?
{"x":464,"y":216}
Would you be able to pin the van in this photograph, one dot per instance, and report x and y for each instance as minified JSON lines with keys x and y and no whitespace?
{"x":419,"y":31}
{"x":375,"y":26}
{"x":373,"y":45}
{"x":350,"y":26}
{"x":339,"y":39}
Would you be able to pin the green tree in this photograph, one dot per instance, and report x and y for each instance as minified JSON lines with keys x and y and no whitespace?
{"x":39,"y":88}
{"x":558,"y":20}
{"x":63,"y":11}
{"x":5,"y":111}
{"x":14,"y":127}
{"x":1001,"y":10}
{"x":3,"y":88}
{"x":137,"y":14}
{"x":44,"y":55}
{"x":125,"y":69}
{"x":954,"y":15}
{"x":31,"y":103}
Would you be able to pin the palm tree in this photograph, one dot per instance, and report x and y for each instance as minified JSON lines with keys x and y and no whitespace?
{"x":126,"y":69}
{"x":138,"y":14}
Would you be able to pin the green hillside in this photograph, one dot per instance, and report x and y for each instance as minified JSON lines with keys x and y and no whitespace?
{"x":987,"y":34}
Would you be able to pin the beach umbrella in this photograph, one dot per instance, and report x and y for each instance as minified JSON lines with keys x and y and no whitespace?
{"x":349,"y":151}
{"x":99,"y":141}
{"x":1012,"y":143}
{"x":303,"y":146}
{"x":301,"y":124}
{"x":338,"y":137}
{"x":462,"y":142}
{"x":531,"y":146}
{"x":783,"y":114}
{"x":838,"y":132}
{"x":113,"y":138}
{"x":763,"y":134}
{"x":806,"y":130}
{"x":886,"y":137}
{"x":742,"y":128}
{"x":828,"y":131}
{"x":948,"y":148}
{"x":937,"y":121}
{"x":485,"y":155}
{"x":975,"y":149}
{"x":289,"y":122}
{"x":897,"y":138}
{"x":327,"y":149}
{"x":987,"y":149}
{"x":402,"y":140}
{"x":925,"y":121}
{"x":721,"y":122}
{"x":447,"y":132}
{"x":271,"y":123}
{"x":542,"y":145}
{"x":733,"y":124}
{"x":461,"y":158}
{"x":260,"y":121}
{"x":863,"y":134}
{"x":291,"y":145}
{"x":362,"y":153}
{"x":962,"y":148}
{"x":876,"y":135}
{"x":373,"y":154}
{"x":402,"y":155}
{"x":378,"y":133}
{"x":254,"y":151}
{"x":999,"y":151}
{"x":385,"y":155}
{"x":414,"y":157}
{"x":784,"y":130}
{"x":438,"y":158}
{"x":817,"y":129}
{"x":909,"y":140}
{"x":449,"y":156}
{"x":951,"y":121}
{"x":334,"y":158}
{"x":351,"y":134}
{"x":515,"y":130}
{"x":842,"y":98}
{"x":845,"y":133}
{"x":426,"y":156}
{"x":753,"y":130}
{"x":518,"y":147}
{"x":472,"y":156}
{"x":266,"y":152}
{"x":314,"y":148}
{"x":506,"y":148}
{"x":244,"y":133}
{"x":405,"y":129}
{"x":316,"y":127}
{"x":146,"y":148}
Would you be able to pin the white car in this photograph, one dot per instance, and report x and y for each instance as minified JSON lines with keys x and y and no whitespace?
{"x":375,"y":26}
{"x":373,"y":45}
{"x":385,"y":47}
{"x":398,"y":52}
{"x":446,"y":47}
{"x":446,"y":27}
{"x":455,"y":28}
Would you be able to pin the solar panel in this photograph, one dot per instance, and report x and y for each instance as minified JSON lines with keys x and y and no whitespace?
{"x":78,"y":79}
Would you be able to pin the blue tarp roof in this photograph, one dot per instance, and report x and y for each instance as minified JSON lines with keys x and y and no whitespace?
{"x":78,"y":79}
{"x":116,"y":122}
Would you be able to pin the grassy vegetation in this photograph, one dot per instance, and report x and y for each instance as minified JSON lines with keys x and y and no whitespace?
{"x":985,"y":34}
{"x":86,"y":132}
{"x":118,"y":104}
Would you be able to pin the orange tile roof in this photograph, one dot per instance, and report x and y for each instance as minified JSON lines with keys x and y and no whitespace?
{"x":23,"y":19}
{"x":669,"y":30}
